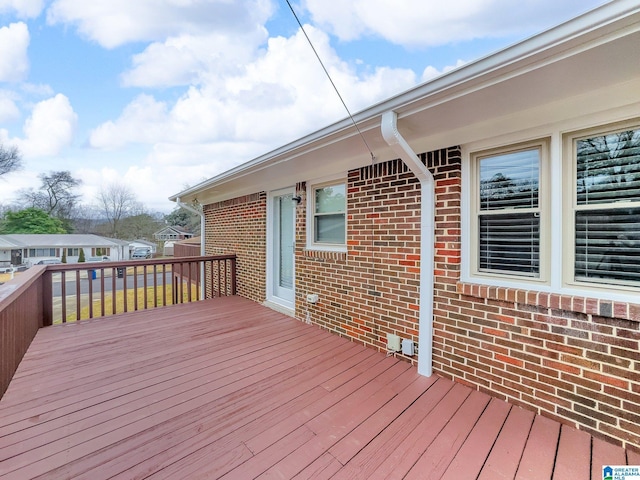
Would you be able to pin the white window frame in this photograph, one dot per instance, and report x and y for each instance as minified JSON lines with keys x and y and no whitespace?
{"x":543,"y":209}
{"x":570,"y":207}
{"x":311,"y":243}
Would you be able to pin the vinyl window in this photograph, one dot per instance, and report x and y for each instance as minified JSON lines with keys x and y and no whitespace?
{"x":328,"y":215}
{"x":605,"y":240}
{"x":508,"y":222}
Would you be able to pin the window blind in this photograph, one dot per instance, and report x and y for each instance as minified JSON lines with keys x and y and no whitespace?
{"x":509,"y":217}
{"x":607,"y":217}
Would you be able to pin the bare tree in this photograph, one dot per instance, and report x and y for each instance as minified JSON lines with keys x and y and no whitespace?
{"x":10,"y":159}
{"x":55,"y":195}
{"x":116,"y":202}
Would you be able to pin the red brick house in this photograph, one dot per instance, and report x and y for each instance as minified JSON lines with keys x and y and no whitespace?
{"x":497,"y":227}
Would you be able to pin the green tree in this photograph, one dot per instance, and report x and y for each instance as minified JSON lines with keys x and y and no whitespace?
{"x":64,"y":256}
{"x":30,"y":220}
{"x":55,"y":196}
{"x":181,"y":217}
{"x":81,"y":258}
{"x":141,"y":226}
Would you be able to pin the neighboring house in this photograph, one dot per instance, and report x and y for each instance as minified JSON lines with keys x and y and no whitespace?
{"x":172,"y":233}
{"x":496,"y":227}
{"x":6,"y":250}
{"x":29,"y":249}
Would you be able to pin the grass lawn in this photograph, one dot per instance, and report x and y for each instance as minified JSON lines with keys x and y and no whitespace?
{"x":163,"y":298}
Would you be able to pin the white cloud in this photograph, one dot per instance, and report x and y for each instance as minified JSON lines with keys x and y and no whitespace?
{"x":142,"y":121}
{"x":115,"y":22}
{"x":281,"y":94}
{"x":182,"y":60}
{"x":49,"y":128}
{"x":38,"y":90}
{"x":14,"y":63}
{"x":420,"y":23}
{"x":22,"y":8}
{"x":8,"y":109}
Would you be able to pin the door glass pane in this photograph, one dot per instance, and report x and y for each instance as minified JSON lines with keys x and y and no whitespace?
{"x":285,"y":222}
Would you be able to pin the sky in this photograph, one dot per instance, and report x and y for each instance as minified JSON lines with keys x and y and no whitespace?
{"x":160,"y":95}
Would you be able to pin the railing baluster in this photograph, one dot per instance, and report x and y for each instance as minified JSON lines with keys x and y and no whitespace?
{"x":155,"y":286}
{"x":124,"y":291}
{"x":144,"y":280}
{"x":78,"y":303}
{"x":164,"y":285}
{"x":90,"y":274}
{"x":114,"y":279}
{"x":102,"y":299}
{"x":189,"y":281}
{"x":181,"y":283}
{"x":135,"y":289}
{"x":63,"y":291}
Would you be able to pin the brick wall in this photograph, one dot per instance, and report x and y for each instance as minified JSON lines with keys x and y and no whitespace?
{"x":573,"y":359}
{"x":373,"y":288}
{"x":239,"y":226}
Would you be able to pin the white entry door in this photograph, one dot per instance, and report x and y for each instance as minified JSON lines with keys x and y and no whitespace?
{"x":280,"y":260}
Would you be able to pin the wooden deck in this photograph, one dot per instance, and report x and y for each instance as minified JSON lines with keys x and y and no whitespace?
{"x":230,"y":389}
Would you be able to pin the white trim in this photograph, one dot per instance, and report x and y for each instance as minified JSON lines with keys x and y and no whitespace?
{"x":559,"y":228}
{"x":272,"y":298}
{"x":280,"y":308}
{"x":311,"y":245}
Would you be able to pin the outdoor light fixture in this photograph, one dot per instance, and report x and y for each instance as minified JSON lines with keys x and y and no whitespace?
{"x":297,"y":199}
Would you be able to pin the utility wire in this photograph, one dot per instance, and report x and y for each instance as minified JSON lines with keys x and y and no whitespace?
{"x":373,"y":157}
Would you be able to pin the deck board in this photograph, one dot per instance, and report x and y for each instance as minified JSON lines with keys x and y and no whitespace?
{"x":227,"y":388}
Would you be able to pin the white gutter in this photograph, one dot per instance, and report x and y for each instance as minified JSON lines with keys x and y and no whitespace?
{"x":202,"y":248}
{"x":389,"y":127}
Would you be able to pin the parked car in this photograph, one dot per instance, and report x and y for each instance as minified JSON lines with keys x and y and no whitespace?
{"x":141,"y":253}
{"x":99,"y":259}
{"x":48,"y":261}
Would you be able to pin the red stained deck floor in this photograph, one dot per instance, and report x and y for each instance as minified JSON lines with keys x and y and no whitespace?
{"x":230,"y":389}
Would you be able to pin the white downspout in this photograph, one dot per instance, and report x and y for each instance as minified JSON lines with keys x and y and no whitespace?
{"x":202,"y":248}
{"x":389,"y":127}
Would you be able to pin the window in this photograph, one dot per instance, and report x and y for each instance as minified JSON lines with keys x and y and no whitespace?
{"x":43,"y":252}
{"x":606,"y":207}
{"x":73,"y":252}
{"x":328,"y":220}
{"x":98,"y":252}
{"x":507,"y":224}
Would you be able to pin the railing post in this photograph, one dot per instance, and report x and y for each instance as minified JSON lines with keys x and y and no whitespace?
{"x":47,"y":296}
